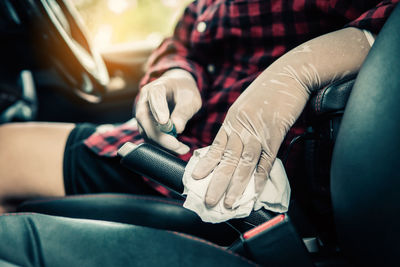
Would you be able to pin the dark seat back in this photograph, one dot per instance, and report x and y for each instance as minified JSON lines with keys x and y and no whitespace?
{"x":365,"y":177}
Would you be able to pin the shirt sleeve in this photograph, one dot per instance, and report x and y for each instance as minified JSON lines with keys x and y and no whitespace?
{"x":373,"y":19}
{"x":174,"y":52}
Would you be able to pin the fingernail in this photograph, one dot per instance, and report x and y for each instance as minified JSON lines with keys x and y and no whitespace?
{"x":196,"y":174}
{"x":228,"y":202}
{"x":210,"y":202}
{"x":168,"y":128}
{"x":182,"y":150}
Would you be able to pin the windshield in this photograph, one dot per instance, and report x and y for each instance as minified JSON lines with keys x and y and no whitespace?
{"x":119,"y":21}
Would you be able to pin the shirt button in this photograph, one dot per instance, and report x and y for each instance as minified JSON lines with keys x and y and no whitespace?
{"x":210,"y":68}
{"x":201,"y":26}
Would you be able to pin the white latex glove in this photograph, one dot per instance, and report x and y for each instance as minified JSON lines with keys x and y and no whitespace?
{"x":258,"y":121}
{"x":175,"y":89}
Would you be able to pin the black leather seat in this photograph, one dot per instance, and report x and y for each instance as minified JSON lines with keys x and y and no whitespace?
{"x":41,"y":240}
{"x":151,"y":211}
{"x":365,"y":178}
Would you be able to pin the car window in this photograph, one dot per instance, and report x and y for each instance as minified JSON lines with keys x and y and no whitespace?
{"x":112,"y":22}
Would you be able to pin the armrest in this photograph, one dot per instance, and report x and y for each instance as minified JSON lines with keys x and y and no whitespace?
{"x":332,"y":98}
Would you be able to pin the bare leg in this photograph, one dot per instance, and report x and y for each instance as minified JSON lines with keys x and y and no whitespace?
{"x":31,"y":161}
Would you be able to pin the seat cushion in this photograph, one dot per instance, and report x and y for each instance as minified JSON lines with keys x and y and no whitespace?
{"x":42,"y":240}
{"x":156,"y":212}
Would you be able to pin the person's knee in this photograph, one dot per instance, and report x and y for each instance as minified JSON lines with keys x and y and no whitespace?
{"x":8,"y":138}
{"x":10,"y":133}
{"x":31,"y":157}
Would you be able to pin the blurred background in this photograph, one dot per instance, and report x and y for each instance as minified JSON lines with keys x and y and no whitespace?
{"x":112,"y":22}
{"x":40,"y":58}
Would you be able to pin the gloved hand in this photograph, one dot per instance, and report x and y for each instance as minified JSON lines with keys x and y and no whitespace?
{"x":175,"y":89}
{"x":258,"y":121}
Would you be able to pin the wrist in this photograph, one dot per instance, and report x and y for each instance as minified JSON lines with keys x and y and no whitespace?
{"x":181,"y":75}
{"x":178,"y":73}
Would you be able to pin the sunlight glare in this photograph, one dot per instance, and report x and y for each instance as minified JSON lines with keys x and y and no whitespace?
{"x":102,"y":39}
{"x":118,"y":6}
{"x":170,"y":3}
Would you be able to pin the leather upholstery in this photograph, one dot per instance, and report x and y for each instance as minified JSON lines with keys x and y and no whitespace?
{"x":331,"y":98}
{"x":41,"y":240}
{"x":156,"y":212}
{"x":365,"y":167}
{"x":155,"y":163}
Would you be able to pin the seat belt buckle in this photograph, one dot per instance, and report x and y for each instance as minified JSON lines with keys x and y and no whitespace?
{"x":274,"y":243}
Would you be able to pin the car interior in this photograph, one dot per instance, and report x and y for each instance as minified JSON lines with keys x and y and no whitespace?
{"x":343,"y":213}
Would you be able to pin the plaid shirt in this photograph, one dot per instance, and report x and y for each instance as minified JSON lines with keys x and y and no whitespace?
{"x":226,"y":44}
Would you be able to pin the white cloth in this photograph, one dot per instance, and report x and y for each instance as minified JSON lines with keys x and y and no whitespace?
{"x":274,"y":197}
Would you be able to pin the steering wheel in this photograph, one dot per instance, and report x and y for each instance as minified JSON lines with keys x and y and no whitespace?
{"x":63,"y":35}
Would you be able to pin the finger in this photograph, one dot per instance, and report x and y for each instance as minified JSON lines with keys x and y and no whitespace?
{"x":157,"y":97}
{"x":223,"y":172}
{"x":144,"y":117}
{"x":149,"y":127}
{"x":209,"y":161}
{"x":241,"y":177}
{"x":179,"y":120}
{"x":263,"y":169}
{"x":187,"y":103}
{"x":171,"y":143}
{"x":142,"y":104}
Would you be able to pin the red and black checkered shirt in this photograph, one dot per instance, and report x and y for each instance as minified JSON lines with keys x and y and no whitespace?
{"x":226,"y":44}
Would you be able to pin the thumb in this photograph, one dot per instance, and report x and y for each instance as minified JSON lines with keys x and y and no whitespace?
{"x":180,"y":119}
{"x":172,"y":144}
{"x":187,"y":103}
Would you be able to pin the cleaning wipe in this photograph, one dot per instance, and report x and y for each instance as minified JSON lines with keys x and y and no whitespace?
{"x":274,"y":197}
